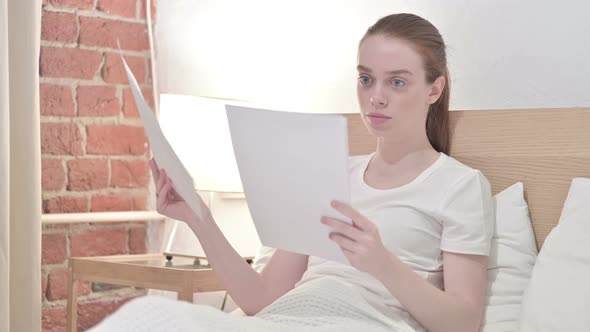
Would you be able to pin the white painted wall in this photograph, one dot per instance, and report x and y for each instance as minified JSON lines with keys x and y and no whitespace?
{"x":301,"y":55}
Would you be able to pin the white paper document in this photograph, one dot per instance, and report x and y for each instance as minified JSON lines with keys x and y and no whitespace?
{"x":292,"y":165}
{"x":162,"y":151}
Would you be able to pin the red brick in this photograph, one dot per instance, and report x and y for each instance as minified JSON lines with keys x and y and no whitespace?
{"x":97,"y":101}
{"x":88,"y":174}
{"x":104,"y":203}
{"x":115,"y":140}
{"x":53,"y":249}
{"x":66,"y":205}
{"x":57,"y":285}
{"x":69,"y":62}
{"x":99,"y":242}
{"x":139,"y":203}
{"x":91,"y":313}
{"x":53,"y":174}
{"x":129,"y":107}
{"x":102,"y":32}
{"x":82,"y":4}
{"x":56,"y":100}
{"x":124,"y":8}
{"x":114,"y":72}
{"x":54,"y":319}
{"x":137,"y":243}
{"x":60,"y":27}
{"x":129,"y":174}
{"x":61,"y":138}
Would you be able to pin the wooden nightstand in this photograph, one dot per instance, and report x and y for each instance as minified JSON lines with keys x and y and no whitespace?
{"x":183,"y":275}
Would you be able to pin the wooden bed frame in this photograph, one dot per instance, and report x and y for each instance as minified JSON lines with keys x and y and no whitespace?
{"x":543,"y":148}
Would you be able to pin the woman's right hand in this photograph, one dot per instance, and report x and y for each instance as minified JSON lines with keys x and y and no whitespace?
{"x":249,"y":289}
{"x":168,"y":201}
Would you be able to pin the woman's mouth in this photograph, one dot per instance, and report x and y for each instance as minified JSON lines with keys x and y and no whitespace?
{"x":377,"y":118}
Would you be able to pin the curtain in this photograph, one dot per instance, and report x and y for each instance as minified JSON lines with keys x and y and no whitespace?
{"x":20,"y":166}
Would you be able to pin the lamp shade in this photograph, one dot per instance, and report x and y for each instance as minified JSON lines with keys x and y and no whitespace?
{"x":197,"y":130}
{"x":287,"y":55}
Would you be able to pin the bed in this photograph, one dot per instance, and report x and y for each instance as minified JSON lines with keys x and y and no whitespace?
{"x":542,"y":148}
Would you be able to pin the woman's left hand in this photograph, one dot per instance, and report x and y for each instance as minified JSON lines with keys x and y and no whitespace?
{"x":360,"y":242}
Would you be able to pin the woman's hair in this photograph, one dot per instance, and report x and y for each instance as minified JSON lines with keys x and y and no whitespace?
{"x":427,"y":41}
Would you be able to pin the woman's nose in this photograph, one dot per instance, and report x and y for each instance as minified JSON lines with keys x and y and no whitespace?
{"x":378,"y":102}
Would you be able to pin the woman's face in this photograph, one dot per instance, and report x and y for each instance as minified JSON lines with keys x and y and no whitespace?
{"x":392,"y":91}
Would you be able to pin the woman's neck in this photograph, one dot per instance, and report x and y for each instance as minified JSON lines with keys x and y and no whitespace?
{"x":401,"y":156}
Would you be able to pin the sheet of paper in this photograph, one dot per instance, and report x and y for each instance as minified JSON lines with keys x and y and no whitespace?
{"x":162,"y":151}
{"x":292,"y":165}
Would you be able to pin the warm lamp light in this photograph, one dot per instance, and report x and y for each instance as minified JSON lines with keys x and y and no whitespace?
{"x":197,"y":130}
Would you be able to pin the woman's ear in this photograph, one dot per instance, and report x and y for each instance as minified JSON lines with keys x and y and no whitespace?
{"x":436,"y":89}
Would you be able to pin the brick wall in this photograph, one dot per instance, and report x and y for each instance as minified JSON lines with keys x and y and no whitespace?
{"x":94,"y":154}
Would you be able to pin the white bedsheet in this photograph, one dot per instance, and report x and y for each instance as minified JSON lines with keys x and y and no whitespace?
{"x":332,"y":306}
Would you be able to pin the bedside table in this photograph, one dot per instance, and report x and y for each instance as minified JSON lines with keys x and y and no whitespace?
{"x":182,"y":274}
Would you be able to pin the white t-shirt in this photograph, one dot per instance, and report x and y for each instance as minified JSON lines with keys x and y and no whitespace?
{"x":448,"y":207}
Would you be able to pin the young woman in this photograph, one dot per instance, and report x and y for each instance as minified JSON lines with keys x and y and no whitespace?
{"x":422,"y":221}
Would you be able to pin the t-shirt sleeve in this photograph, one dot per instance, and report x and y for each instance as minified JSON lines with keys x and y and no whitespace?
{"x":467,"y":216}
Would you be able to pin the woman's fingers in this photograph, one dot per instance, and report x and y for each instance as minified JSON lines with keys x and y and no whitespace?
{"x":161,"y":181}
{"x":357,"y":218}
{"x":174,"y":195}
{"x":154,"y":169}
{"x":342,"y":227}
{"x":163,"y":193}
{"x":164,"y":188}
{"x":345,"y":242}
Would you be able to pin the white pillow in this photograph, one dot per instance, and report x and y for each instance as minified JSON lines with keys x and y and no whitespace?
{"x":558,"y":295}
{"x":511,"y":261}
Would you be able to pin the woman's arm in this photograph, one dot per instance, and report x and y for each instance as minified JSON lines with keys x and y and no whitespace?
{"x":252,"y":291}
{"x":459,"y":308}
{"x":249,"y":289}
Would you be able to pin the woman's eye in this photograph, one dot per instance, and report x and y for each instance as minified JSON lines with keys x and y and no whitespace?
{"x":398,"y":83}
{"x":364,"y":80}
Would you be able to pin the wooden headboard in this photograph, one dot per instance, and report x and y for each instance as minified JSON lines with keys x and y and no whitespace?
{"x":543,"y":148}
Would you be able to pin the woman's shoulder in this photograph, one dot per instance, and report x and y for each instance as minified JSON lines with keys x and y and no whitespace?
{"x":358,"y":161}
{"x":453,"y":171}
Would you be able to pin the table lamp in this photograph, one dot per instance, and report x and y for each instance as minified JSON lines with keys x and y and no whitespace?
{"x":197,"y":129}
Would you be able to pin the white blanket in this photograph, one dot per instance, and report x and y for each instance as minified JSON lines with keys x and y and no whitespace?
{"x":323,"y":306}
